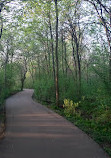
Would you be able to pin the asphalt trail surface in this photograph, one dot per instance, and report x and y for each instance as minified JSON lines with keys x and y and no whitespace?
{"x":33,"y":131}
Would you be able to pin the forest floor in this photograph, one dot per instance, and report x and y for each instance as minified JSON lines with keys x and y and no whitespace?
{"x":32,"y":130}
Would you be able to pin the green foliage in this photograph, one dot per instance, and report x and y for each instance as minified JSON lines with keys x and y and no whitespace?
{"x":44,"y":90}
{"x":92,"y":113}
{"x":29,"y":83}
{"x":67,"y":88}
{"x":11,"y":83}
{"x":30,"y":33}
{"x":82,"y":115}
{"x":70,"y":108}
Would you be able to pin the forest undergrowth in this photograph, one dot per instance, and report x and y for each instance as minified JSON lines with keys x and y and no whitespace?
{"x":61,"y":49}
{"x":91,"y":112}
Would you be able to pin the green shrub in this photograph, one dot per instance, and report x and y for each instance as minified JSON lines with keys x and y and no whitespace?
{"x":45,"y":90}
{"x":70,"y":108}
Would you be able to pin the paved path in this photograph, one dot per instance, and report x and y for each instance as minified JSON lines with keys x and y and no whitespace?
{"x":33,"y":131}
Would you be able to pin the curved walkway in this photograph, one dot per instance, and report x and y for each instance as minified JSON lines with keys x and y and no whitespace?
{"x":33,"y":131}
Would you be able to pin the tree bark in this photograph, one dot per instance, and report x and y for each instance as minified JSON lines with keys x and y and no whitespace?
{"x":74,"y":58}
{"x":110,"y":51}
{"x":5,"y":66}
{"x":79,"y":67}
{"x":62,"y":39}
{"x":39,"y":67}
{"x":52,"y":47}
{"x":65,"y":57}
{"x":56,"y":55}
{"x":23,"y":74}
{"x":1,"y":29}
{"x":48,"y":55}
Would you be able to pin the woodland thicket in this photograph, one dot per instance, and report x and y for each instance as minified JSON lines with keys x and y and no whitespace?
{"x":61,"y":49}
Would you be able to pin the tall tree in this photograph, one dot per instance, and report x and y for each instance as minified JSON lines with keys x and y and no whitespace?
{"x":52,"y":44}
{"x":103,"y":10}
{"x":56,"y":55}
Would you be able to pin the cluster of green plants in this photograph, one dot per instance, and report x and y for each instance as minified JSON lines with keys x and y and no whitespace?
{"x":70,"y":108}
{"x":45,"y":89}
{"x":9,"y":84}
{"x":92,"y":117}
{"x":91,"y":112}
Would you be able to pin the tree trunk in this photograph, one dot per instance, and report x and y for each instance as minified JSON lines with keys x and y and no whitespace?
{"x":79,"y":67}
{"x":1,"y":29}
{"x":62,"y":53}
{"x":1,"y":22}
{"x":99,"y":5}
{"x":5,"y":66}
{"x":48,"y":52}
{"x":47,"y":66}
{"x":39,"y":67}
{"x":56,"y":55}
{"x":22,"y":83}
{"x":74,"y":59}
{"x":31,"y":70}
{"x":65,"y":52}
{"x":110,"y":51}
{"x":23,"y":74}
{"x":87,"y":73}
{"x":52,"y":47}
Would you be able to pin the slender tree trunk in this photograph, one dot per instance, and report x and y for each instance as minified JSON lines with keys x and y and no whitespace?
{"x":5,"y":74}
{"x":32,"y":72}
{"x":79,"y":67}
{"x":52,"y":47}
{"x":99,"y":5}
{"x":23,"y":74}
{"x":87,"y":73}
{"x":62,"y":53}
{"x":22,"y":83}
{"x":12,"y":55}
{"x":74,"y":59}
{"x":56,"y":55}
{"x":1,"y":29}
{"x":48,"y":52}
{"x":1,"y":22}
{"x":5,"y":66}
{"x":110,"y":51}
{"x":65,"y":56}
{"x":39,"y":67}
{"x":110,"y":65}
{"x":47,"y":66}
